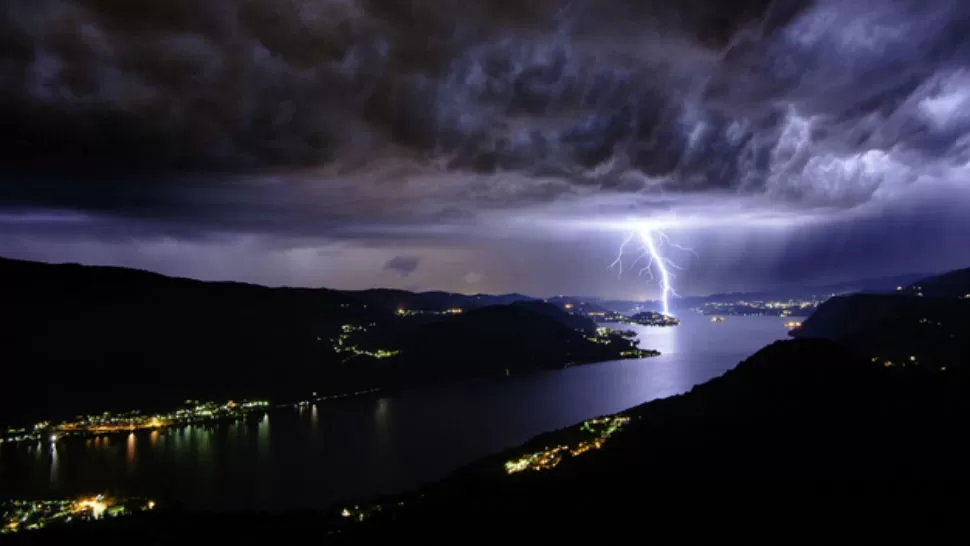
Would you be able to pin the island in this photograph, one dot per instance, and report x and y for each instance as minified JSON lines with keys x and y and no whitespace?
{"x":652,"y":318}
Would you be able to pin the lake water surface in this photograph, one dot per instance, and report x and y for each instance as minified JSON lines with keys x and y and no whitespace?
{"x":359,"y":448}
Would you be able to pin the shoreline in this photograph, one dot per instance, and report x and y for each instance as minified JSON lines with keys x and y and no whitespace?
{"x":47,"y":432}
{"x":135,"y":421}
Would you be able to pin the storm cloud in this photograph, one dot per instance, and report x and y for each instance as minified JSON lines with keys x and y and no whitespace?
{"x":439,"y":119}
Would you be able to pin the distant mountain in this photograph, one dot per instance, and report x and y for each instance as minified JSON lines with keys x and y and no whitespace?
{"x":625,"y":307}
{"x":582,"y":306}
{"x":393,"y":300}
{"x":955,"y":284}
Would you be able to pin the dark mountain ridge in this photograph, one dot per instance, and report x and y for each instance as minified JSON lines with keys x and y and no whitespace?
{"x":393,"y":300}
{"x":954,"y":284}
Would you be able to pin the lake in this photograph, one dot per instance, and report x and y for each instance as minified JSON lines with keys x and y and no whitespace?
{"x":362,"y":447}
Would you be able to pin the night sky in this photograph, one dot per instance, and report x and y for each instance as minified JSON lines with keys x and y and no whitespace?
{"x":488,"y":145}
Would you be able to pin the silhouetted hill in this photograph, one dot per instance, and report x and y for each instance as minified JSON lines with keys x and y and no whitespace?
{"x":572,"y":320}
{"x":895,"y":327}
{"x":524,"y":335}
{"x":955,"y":284}
{"x":581,"y":306}
{"x":78,"y":338}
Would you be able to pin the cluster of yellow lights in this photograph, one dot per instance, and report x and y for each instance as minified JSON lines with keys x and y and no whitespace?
{"x":343,"y":344}
{"x":549,"y":458}
{"x":31,"y":515}
{"x":96,"y":505}
{"x":911,"y":361}
{"x":410,"y":312}
{"x":109,"y":423}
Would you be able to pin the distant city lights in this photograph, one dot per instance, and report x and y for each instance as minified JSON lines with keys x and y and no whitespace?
{"x":111,"y":423}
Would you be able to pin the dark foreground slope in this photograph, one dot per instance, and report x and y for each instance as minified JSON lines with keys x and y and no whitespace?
{"x":803,"y":441}
{"x":799,"y":428}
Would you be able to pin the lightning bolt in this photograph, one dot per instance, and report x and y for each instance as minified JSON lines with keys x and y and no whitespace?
{"x":653,"y":246}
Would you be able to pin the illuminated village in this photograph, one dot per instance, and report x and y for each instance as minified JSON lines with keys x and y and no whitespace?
{"x":597,"y":430}
{"x":592,"y":434}
{"x":343,"y":343}
{"x":401,"y":312}
{"x":608,"y":336}
{"x":31,"y":515}
{"x":110,"y":423}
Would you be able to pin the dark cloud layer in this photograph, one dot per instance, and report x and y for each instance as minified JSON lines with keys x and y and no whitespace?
{"x":224,"y":84}
{"x":697,"y":92}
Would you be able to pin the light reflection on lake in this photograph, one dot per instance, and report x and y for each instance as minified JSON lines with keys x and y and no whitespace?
{"x":55,"y":465}
{"x":359,"y":447}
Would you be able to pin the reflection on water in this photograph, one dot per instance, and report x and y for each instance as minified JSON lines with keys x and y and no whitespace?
{"x":381,"y":412}
{"x":356,"y":448}
{"x":382,"y":423}
{"x":130,"y":452}
{"x":202,"y":438}
{"x":55,"y":466}
{"x":262,"y":437}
